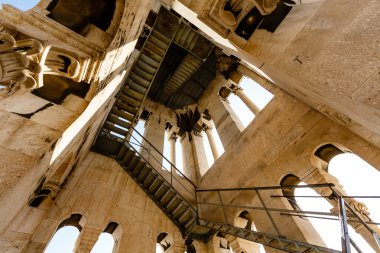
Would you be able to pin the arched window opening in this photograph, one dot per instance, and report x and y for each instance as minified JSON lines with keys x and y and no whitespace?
{"x":104,"y":244}
{"x":163,"y":243}
{"x":106,"y":241}
{"x":245,"y":220}
{"x":248,"y":99}
{"x":327,"y":152}
{"x":63,"y":240}
{"x":358,"y":178}
{"x":65,"y":237}
{"x":329,"y":230}
{"x":290,"y":180}
{"x":159,"y":248}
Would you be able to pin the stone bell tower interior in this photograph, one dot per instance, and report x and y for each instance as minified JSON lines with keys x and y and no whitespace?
{"x":190,"y":125}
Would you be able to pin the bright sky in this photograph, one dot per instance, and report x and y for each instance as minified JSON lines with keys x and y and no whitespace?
{"x":258,"y":95}
{"x":358,"y":178}
{"x":21,"y":4}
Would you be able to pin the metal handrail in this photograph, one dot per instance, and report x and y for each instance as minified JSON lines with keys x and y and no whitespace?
{"x":345,"y":215}
{"x":172,"y":165}
{"x":267,"y":187}
{"x":142,"y":157}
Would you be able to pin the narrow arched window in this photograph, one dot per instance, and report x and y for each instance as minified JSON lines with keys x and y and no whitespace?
{"x":63,"y":240}
{"x":65,"y":237}
{"x":290,"y":180}
{"x":245,"y":220}
{"x":106,"y":241}
{"x":358,"y":178}
{"x":104,"y":244}
{"x":163,"y":243}
{"x":328,"y":229}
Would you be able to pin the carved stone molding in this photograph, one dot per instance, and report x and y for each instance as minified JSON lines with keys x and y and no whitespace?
{"x":21,"y":60}
{"x":25,"y":60}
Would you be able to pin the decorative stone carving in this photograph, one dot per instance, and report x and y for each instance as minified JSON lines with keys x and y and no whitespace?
{"x":225,"y":65}
{"x":63,"y":63}
{"x":188,"y":122}
{"x":20,"y":61}
{"x":24,"y":61}
{"x":361,"y":209}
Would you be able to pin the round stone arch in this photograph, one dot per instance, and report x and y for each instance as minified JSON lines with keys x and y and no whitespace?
{"x":323,"y":153}
{"x":165,"y":240}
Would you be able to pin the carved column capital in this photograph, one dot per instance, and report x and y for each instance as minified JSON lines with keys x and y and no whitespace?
{"x":226,"y":65}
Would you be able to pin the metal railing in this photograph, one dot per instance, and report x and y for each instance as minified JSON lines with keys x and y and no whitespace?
{"x":152,"y":156}
{"x":346,"y":212}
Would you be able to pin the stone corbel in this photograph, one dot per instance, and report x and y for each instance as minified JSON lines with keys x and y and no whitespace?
{"x":63,"y":63}
{"x":226,"y":90}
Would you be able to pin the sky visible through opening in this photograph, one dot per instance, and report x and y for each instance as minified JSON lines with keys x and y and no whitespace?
{"x":21,"y":4}
{"x":357,"y":176}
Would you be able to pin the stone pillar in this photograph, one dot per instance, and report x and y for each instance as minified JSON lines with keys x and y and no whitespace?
{"x":212,"y":142}
{"x":200,"y":154}
{"x":225,"y":119}
{"x":86,"y":240}
{"x":155,"y":134}
{"x":172,"y":140}
{"x":246,"y":100}
{"x":188,"y":158}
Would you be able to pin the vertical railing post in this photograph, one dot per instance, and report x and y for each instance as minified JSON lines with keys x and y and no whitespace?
{"x":221,"y":203}
{"x":196,"y":201}
{"x":343,"y":225}
{"x":377,"y":239}
{"x":268,"y":213}
{"x":171,"y":175}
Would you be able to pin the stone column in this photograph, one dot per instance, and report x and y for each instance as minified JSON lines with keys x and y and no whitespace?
{"x":188,"y":158}
{"x":212,"y":142}
{"x":246,"y":100}
{"x":155,"y":134}
{"x":87,"y":239}
{"x":200,"y":155}
{"x":172,"y":141}
{"x":225,"y":119}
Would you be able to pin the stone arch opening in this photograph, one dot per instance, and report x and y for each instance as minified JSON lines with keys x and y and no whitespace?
{"x":107,"y":240}
{"x":245,"y":219}
{"x":290,"y":180}
{"x":67,"y":231}
{"x":163,"y":243}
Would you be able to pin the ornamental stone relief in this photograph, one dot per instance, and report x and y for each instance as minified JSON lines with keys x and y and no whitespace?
{"x":24,"y":61}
